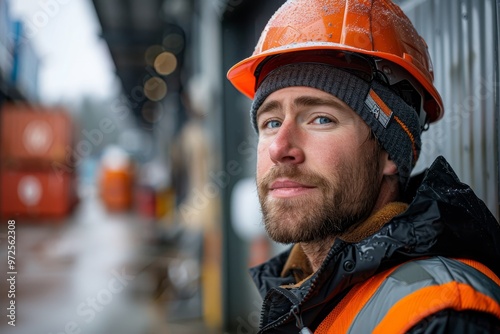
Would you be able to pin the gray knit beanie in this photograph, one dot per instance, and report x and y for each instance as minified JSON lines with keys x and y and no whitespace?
{"x":394,"y":122}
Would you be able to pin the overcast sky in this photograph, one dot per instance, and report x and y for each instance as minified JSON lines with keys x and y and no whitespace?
{"x":75,"y":62}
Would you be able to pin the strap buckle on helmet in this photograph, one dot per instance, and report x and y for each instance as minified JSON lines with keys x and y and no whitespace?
{"x":405,"y":85}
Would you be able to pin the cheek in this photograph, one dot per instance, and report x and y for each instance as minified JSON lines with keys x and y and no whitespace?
{"x":326,"y":163}
{"x":329,"y":152}
{"x":331,"y":156}
{"x":263,"y":160}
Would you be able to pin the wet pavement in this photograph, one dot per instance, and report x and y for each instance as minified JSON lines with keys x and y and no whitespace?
{"x":95,"y":272}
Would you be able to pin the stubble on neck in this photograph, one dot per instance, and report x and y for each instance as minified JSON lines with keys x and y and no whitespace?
{"x":316,"y":251}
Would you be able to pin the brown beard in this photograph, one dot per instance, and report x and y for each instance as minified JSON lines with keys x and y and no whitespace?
{"x":347,"y":198}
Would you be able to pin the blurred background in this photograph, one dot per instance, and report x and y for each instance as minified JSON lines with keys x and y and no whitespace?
{"x":127,"y":158}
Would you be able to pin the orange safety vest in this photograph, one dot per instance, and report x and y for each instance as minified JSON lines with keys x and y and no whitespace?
{"x":393,"y":301}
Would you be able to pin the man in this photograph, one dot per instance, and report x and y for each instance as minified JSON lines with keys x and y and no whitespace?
{"x":341,"y":93}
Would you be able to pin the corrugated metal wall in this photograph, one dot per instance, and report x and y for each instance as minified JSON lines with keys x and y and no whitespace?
{"x":463,"y":41}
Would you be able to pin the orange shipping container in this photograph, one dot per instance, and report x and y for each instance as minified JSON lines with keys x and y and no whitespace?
{"x":34,"y":136}
{"x":116,"y":188}
{"x":36,"y":194}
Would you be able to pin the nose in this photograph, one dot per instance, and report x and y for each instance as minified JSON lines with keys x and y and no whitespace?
{"x":286,"y":146}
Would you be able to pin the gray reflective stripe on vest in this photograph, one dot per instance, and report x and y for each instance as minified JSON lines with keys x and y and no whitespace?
{"x":413,"y":276}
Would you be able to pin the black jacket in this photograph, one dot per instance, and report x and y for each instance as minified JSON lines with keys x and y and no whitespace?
{"x":444,"y":218}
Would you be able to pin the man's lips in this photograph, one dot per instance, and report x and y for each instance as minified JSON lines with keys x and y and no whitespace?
{"x":288,"y":188}
{"x":280,"y":184}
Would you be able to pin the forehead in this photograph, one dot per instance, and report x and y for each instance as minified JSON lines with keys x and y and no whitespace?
{"x":301,"y":90}
{"x":299,"y":96}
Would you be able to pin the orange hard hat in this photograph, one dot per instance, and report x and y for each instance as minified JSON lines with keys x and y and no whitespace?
{"x":375,"y":28}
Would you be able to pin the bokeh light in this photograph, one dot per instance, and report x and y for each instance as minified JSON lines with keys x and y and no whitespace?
{"x":155,"y":89}
{"x":165,"y":63}
{"x":152,"y":111}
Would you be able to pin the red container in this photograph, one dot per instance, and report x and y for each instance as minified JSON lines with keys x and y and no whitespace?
{"x":34,"y":136}
{"x":145,"y":199}
{"x":36,"y":194}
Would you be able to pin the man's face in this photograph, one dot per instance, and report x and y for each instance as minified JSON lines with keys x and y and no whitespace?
{"x":318,"y":168}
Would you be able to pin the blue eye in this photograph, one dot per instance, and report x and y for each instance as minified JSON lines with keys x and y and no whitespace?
{"x":322,"y":120}
{"x":273,"y":124}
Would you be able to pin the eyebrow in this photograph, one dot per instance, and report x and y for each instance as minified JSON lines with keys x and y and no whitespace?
{"x":302,"y":101}
{"x":311,"y":101}
{"x":268,"y":106}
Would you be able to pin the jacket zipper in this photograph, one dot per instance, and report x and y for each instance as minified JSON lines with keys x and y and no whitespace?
{"x":295,"y":302}
{"x":295,"y":310}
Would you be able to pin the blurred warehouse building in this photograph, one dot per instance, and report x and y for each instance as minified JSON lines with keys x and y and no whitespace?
{"x":151,"y":185}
